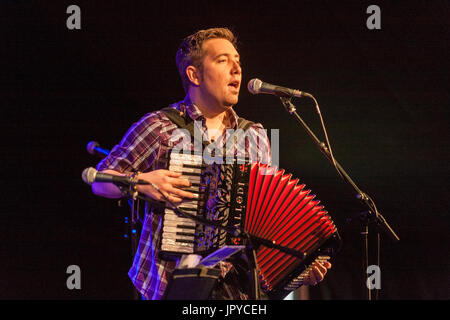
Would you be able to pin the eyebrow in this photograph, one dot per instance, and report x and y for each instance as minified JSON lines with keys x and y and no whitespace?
{"x":227,"y":54}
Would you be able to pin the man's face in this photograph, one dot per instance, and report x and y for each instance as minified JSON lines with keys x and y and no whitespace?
{"x":221,"y":73}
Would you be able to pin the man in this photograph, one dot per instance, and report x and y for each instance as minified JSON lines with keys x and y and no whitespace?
{"x":210,"y":69}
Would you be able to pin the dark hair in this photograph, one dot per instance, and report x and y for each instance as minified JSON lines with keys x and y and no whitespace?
{"x":190,"y":52}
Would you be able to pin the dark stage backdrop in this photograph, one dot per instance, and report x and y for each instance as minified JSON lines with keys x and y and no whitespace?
{"x":383,"y":94}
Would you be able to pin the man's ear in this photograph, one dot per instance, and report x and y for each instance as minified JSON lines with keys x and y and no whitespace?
{"x":193,"y":75}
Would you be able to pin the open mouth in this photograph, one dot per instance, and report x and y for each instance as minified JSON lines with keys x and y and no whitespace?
{"x":234,"y":84}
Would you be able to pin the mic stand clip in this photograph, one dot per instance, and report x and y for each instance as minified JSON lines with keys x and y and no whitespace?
{"x":288,"y":105}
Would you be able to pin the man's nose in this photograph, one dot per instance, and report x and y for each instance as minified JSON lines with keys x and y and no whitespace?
{"x":236,"y":69}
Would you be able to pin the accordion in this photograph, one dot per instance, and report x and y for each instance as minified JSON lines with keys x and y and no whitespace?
{"x":264,"y":201}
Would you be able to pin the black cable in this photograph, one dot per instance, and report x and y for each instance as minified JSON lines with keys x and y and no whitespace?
{"x":326,"y":136}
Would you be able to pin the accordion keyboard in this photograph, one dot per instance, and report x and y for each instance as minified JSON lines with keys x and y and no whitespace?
{"x":178,"y":233}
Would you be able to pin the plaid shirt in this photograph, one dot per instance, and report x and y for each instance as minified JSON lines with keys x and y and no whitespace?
{"x":145,"y":147}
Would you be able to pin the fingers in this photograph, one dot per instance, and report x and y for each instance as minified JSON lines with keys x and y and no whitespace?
{"x":179,"y":183}
{"x":165,"y":185}
{"x":168,"y":193}
{"x":172,"y":174}
{"x":168,"y":196}
{"x":164,"y":195}
{"x":317,"y":273}
{"x":174,"y":185}
{"x":173,"y":198}
{"x":173,"y":179}
{"x":321,"y":268}
{"x":180,"y":193}
{"x":161,"y":193}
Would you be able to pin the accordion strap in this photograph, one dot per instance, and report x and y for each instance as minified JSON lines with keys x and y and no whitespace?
{"x":183,"y":121}
{"x":244,"y":124}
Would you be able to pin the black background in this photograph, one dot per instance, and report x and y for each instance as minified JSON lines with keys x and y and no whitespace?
{"x":383,"y":94}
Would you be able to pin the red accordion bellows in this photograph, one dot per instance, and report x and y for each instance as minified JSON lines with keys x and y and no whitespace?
{"x":281,"y":210}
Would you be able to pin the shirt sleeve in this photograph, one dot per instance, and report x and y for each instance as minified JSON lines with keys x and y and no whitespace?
{"x":138,"y":148}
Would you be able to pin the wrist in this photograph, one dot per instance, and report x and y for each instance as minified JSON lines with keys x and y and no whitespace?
{"x":129,"y":190}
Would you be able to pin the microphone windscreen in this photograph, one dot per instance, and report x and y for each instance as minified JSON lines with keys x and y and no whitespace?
{"x":88,"y":175}
{"x":254,"y":86}
{"x":91,"y":147}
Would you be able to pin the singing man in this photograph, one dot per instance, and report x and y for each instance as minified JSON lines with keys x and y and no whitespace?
{"x":211,"y":73}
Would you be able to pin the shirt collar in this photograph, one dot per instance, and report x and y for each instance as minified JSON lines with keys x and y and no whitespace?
{"x":195,"y":114}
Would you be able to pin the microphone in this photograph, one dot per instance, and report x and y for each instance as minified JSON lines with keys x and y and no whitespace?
{"x":90,"y":175}
{"x":256,"y":86}
{"x":94,"y":148}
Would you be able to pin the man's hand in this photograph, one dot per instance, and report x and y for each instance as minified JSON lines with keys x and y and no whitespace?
{"x":317,"y":273}
{"x":167,"y":182}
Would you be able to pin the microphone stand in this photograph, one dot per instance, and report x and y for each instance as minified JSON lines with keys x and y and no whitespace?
{"x":94,"y":148}
{"x":133,"y":202}
{"x":371,"y":215}
{"x":134,"y":233}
